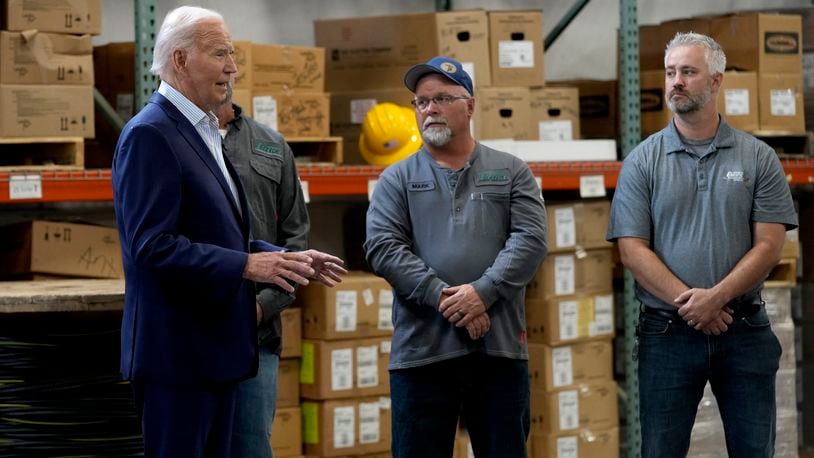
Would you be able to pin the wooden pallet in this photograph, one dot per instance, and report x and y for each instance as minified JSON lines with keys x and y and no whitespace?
{"x":314,"y":151}
{"x":42,"y":153}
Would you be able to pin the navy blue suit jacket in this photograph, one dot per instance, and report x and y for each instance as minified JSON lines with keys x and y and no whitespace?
{"x":189,"y":316}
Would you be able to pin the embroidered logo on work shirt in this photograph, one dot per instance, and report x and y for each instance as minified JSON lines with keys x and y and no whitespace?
{"x":268,"y":149}
{"x":488,"y":177}
{"x":734,"y":176}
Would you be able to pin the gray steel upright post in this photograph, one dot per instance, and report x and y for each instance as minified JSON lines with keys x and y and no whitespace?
{"x":631,"y":135}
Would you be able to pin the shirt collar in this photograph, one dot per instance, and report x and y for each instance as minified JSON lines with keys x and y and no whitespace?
{"x":724,"y":137}
{"x":190,"y":111}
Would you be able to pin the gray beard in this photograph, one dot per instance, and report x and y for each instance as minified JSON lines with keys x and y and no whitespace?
{"x":693,"y":103}
{"x":437,"y":136}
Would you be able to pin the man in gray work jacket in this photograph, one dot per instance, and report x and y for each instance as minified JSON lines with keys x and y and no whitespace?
{"x":265,"y":164}
{"x":457,"y":229}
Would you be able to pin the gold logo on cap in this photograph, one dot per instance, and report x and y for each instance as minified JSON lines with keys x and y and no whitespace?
{"x":448,"y":67}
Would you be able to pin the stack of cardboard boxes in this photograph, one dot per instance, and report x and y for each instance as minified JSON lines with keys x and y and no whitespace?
{"x":46,"y":67}
{"x":344,"y":382}
{"x":570,"y":323}
{"x":763,"y":85}
{"x":286,"y":433}
{"x":501,"y":50}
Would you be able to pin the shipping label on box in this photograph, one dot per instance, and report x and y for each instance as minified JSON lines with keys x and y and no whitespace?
{"x":293,"y":114}
{"x":352,"y":309}
{"x":45,"y":58}
{"x":555,"y":113}
{"x":516,"y":47}
{"x":591,"y":406}
{"x":344,"y":368}
{"x":43,"y":111}
{"x":57,"y":248}
{"x":580,"y":272}
{"x":347,"y":427}
{"x":552,"y":368}
{"x":781,"y":102}
{"x":61,"y":16}
{"x":282,"y":67}
{"x":576,"y":318}
{"x":578,"y":226}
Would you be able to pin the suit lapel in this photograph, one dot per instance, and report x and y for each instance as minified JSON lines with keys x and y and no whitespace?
{"x":190,"y":134}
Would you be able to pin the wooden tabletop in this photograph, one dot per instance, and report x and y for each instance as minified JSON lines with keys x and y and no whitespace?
{"x":74,"y":295}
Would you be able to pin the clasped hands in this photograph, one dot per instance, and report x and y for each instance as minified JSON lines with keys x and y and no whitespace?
{"x":463,"y":307}
{"x":278,"y":267}
{"x":701,"y":309}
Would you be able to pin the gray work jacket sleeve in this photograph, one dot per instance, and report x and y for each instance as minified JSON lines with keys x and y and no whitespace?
{"x":388,"y":246}
{"x":525,"y":247}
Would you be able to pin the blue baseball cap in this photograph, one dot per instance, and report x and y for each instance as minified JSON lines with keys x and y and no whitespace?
{"x":450,"y":68}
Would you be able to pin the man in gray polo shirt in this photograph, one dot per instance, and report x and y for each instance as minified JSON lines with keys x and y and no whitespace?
{"x":700,"y":214}
{"x":457,"y":229}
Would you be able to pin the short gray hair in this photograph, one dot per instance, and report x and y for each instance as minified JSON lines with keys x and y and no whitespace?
{"x":178,"y":32}
{"x":715,"y":57}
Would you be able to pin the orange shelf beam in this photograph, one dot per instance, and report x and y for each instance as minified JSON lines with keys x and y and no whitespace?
{"x":94,"y":185}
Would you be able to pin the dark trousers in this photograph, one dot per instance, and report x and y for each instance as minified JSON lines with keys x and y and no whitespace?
{"x":491,"y":394}
{"x":185,"y":420}
{"x":675,"y":363}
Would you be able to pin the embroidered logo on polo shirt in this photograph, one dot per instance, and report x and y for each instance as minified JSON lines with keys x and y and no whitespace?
{"x":487,"y":177}
{"x":421,"y":186}
{"x":734,"y":176}
{"x":268,"y":149}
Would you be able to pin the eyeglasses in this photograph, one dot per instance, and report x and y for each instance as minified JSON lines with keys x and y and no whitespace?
{"x":440,"y":100}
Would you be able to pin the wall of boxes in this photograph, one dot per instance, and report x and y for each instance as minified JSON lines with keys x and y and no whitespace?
{"x":763,"y":86}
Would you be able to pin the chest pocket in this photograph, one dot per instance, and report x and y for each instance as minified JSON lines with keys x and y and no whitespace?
{"x":266,"y":166}
{"x":491,"y":211}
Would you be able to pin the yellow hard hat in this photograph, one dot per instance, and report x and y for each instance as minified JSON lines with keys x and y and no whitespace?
{"x":389,"y":134}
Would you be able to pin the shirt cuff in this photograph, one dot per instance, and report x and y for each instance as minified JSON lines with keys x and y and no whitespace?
{"x":486,"y":290}
{"x":273,"y":301}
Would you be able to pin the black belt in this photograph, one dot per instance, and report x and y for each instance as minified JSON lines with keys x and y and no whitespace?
{"x":741,"y":310}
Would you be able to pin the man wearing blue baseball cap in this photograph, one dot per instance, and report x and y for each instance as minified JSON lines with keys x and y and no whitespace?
{"x":458,"y":229}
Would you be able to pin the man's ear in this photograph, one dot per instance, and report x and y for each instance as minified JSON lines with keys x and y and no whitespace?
{"x":179,"y":59}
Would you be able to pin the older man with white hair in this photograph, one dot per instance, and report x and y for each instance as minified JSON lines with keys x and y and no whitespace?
{"x":189,"y":331}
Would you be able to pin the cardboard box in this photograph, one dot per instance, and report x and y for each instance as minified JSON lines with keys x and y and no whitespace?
{"x":45,"y":58}
{"x":592,"y":406}
{"x":286,"y":432}
{"x":346,"y":427}
{"x":669,"y":29}
{"x":49,"y":247}
{"x":243,"y":97}
{"x":582,"y":443}
{"x":579,"y":318}
{"x":502,"y":113}
{"x":291,"y":320}
{"x":375,"y":52}
{"x":655,"y":114}
{"x":791,"y":245}
{"x":46,"y":111}
{"x":344,"y":368}
{"x":577,"y":226}
{"x":738,"y":100}
{"x":552,"y":368}
{"x":781,"y":102}
{"x":760,"y":42}
{"x":283,"y":68}
{"x":554,"y":113}
{"x":293,"y":114}
{"x":361,"y":306}
{"x":115,"y":65}
{"x":288,"y":383}
{"x":516,"y":48}
{"x":245,"y":64}
{"x":565,"y":274}
{"x":597,"y":107}
{"x":62,"y":16}
{"x":651,"y":47}
{"x":348,"y":110}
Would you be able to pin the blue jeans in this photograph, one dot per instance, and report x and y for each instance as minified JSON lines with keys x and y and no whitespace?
{"x":256,"y":402}
{"x":490,"y":393}
{"x":675,"y":363}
